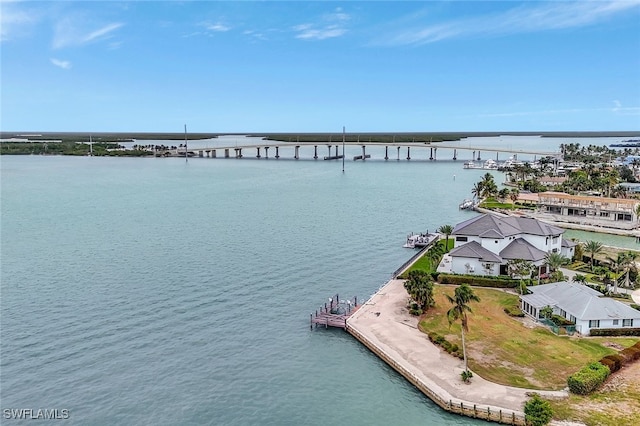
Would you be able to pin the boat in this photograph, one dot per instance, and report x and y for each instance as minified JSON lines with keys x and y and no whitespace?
{"x":466,"y":204}
{"x":487,"y":165}
{"x":419,"y":240}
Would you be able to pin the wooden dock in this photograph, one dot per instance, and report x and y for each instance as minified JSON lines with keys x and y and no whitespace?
{"x":334,"y":313}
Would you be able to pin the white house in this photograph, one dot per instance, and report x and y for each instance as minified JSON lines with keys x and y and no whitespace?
{"x":485,"y":243}
{"x":586,"y":307}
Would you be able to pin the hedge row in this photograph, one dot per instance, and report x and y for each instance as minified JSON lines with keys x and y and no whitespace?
{"x":626,"y":356}
{"x":439,"y":340}
{"x":636,"y":307}
{"x":615,"y":332}
{"x":514,"y":311}
{"x":588,"y":378}
{"x":477,"y":281}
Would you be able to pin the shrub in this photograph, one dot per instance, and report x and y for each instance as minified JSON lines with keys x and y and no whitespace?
{"x":466,"y":376}
{"x":588,"y":378}
{"x":537,"y":411}
{"x":630,"y":354}
{"x":480,"y":281}
{"x":636,"y":307}
{"x":614,"y":362}
{"x":558,"y":320}
{"x":514,"y":311}
{"x":615,"y":332}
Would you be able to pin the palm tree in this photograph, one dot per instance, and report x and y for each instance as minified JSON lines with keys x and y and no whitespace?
{"x":477,"y":190}
{"x":446,"y":230}
{"x":514,"y":195}
{"x":460,"y":300}
{"x":593,"y":248}
{"x":626,"y":261}
{"x":555,"y":261}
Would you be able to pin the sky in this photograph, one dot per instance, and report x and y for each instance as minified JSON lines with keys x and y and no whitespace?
{"x":316,"y":66}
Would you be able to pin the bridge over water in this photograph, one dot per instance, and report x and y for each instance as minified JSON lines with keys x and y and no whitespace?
{"x":335,"y":150}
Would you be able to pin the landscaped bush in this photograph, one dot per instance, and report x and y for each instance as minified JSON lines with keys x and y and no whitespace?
{"x":588,"y":378}
{"x":630,"y":354}
{"x":537,"y":411}
{"x":615,"y":332}
{"x":440,"y":340}
{"x":636,"y":307}
{"x":614,"y":362}
{"x":499,"y":282}
{"x":514,"y":311}
{"x":559,"y":321}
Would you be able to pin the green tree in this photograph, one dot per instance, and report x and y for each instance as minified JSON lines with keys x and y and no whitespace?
{"x":463,"y":295}
{"x":578,"y":278}
{"x":419,"y":285}
{"x":522,"y":269}
{"x":513,"y":195}
{"x":537,"y":411}
{"x":555,"y":261}
{"x":446,"y":230}
{"x":546,"y":312}
{"x":593,"y":248}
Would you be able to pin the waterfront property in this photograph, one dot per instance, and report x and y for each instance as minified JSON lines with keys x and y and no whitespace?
{"x":585,"y":307}
{"x":618,"y":213}
{"x":485,"y":244}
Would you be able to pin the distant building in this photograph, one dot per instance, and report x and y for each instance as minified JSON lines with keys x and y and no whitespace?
{"x":587,"y":210}
{"x":585,"y":307}
{"x":485,"y":244}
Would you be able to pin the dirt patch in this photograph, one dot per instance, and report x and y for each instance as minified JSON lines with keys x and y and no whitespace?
{"x":613,"y":345}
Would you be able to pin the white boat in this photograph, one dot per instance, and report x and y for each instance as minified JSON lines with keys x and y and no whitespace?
{"x":487,"y":165}
{"x":419,"y":240}
{"x":466,"y":204}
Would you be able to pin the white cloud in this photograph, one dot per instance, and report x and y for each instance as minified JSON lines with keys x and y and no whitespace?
{"x":522,"y":19}
{"x":331,"y":25}
{"x":67,"y":34}
{"x":14,"y":20}
{"x":65,"y":65}
{"x":217,"y":27}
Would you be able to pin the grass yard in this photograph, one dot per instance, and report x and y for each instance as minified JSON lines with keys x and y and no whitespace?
{"x":504,"y":350}
{"x":617,"y":403}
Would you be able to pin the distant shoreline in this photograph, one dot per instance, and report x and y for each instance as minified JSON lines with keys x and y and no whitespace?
{"x":372,"y":137}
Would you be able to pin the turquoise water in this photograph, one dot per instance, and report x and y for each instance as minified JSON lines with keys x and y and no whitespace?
{"x":154,"y":291}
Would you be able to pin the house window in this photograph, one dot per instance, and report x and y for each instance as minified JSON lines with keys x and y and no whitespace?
{"x":627,"y":322}
{"x":563,"y":313}
{"x":594,"y":323}
{"x":554,"y":250}
{"x":462,"y":239}
{"x":555,"y":240}
{"x":572,"y":319}
{"x":615,"y":322}
{"x":496,"y":241}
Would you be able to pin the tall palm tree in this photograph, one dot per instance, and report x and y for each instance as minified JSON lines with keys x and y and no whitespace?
{"x":626,"y":261}
{"x":463,"y":295}
{"x":446,"y":230}
{"x":514,"y":195}
{"x":593,"y":248}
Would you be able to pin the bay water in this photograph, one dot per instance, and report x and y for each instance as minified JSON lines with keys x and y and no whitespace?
{"x":160,"y":291}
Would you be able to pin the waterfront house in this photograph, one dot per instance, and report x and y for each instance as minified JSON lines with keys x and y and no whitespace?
{"x":484,"y":244}
{"x":582,"y":305}
{"x":619,"y":213}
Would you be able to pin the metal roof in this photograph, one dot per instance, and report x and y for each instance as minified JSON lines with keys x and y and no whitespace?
{"x":492,"y":226}
{"x":522,"y":249}
{"x":580,"y":301}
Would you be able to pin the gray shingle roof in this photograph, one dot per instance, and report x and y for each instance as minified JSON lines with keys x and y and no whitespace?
{"x":568,"y":243}
{"x":474,"y":250}
{"x":580,"y":301}
{"x":504,"y":226}
{"x":521,"y":249}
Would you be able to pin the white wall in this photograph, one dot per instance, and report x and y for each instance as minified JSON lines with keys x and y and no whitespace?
{"x":458,"y":267}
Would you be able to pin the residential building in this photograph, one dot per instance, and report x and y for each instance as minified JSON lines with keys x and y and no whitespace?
{"x":485,"y":244}
{"x":582,"y":305}
{"x":617,"y":213}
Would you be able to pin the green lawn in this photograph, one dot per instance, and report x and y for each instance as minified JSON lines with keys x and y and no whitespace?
{"x":501,"y":349}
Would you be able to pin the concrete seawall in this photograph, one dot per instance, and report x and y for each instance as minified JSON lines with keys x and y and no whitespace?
{"x":384,"y":325}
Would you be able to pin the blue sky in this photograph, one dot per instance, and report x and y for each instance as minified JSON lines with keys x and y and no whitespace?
{"x":315,"y":66}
